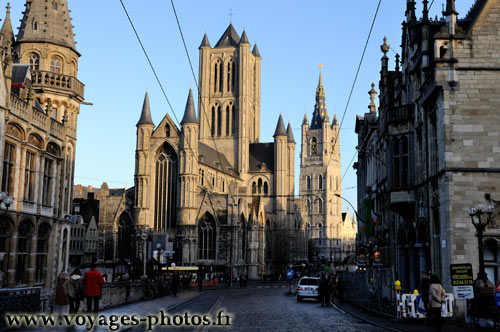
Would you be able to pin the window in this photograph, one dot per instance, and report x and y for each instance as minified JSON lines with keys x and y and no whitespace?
{"x":166,"y":188}
{"x":9,"y":158}
{"x":23,"y":251}
{"x":492,"y":260}
{"x":308,"y":207}
{"x":254,"y":188}
{"x":218,"y":76}
{"x":229,"y":75}
{"x":48,"y":179}
{"x":266,"y":189}
{"x":320,"y":182}
{"x":42,"y":248}
{"x":228,"y":115}
{"x":34,"y":60}
{"x":5,"y":236}
{"x":54,"y":5}
{"x":234,"y":76}
{"x":34,"y":24}
{"x":29,"y":177}
{"x":213,"y":121}
{"x":259,"y":186}
{"x":400,"y":161}
{"x":321,"y":231}
{"x":233,"y":120}
{"x":314,"y":146}
{"x":167,"y":130}
{"x":56,"y":65}
{"x":308,"y":182}
{"x":319,"y":202}
{"x":219,"y":121}
{"x":206,"y":237}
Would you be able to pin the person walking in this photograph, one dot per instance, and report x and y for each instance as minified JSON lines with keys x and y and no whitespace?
{"x":73,"y":288}
{"x":61,"y":300}
{"x":436,"y":298}
{"x":175,"y":284}
{"x":199,"y":281}
{"x":424,"y":289}
{"x":93,"y":281}
{"x":323,"y":285}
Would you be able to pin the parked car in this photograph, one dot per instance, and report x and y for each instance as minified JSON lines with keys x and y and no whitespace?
{"x":307,"y":287}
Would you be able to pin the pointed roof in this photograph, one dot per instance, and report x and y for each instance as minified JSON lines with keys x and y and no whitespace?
{"x":146,"y":113}
{"x":280,"y":128}
{"x":320,"y":113}
{"x":244,"y":38}
{"x":255,"y":51}
{"x":305,"y":121}
{"x":47,"y":22}
{"x":7,"y":27}
{"x":189,"y":113}
{"x":205,"y":41}
{"x":450,"y":8}
{"x":335,"y":121}
{"x":289,"y":133}
{"x":229,"y":37}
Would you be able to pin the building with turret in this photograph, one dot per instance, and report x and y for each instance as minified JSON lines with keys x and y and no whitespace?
{"x":40,"y":99}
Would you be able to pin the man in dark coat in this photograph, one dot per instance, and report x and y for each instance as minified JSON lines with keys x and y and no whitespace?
{"x":322,"y":289}
{"x":93,"y":280}
{"x":425,"y":284}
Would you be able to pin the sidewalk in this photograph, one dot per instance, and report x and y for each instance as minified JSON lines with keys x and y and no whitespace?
{"x":141,"y":308}
{"x":401,"y":325}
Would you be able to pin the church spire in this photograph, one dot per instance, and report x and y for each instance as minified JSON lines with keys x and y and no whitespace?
{"x":205,"y":42}
{"x":189,"y":113}
{"x":289,"y":133}
{"x":320,"y":112}
{"x":146,"y":113}
{"x":6,"y":31}
{"x":280,"y":128}
{"x":47,"y":22}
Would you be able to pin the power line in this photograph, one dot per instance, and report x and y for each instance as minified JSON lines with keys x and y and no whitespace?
{"x":349,"y":167}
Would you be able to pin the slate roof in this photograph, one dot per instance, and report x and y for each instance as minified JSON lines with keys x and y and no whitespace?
{"x":244,"y":38}
{"x":209,"y":157}
{"x":261,"y":153}
{"x":189,"y":113}
{"x":280,"y":128}
{"x":289,"y":133}
{"x":229,"y":37}
{"x":20,"y":72}
{"x":205,"y":41}
{"x":146,"y":112}
{"x":255,"y":51}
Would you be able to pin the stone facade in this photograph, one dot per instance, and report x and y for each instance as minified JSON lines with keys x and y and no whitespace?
{"x":40,"y":97}
{"x":435,"y":143}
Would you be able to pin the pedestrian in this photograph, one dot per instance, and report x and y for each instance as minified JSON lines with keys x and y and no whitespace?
{"x":436,"y":298}
{"x":424,"y":289}
{"x":73,"y":288}
{"x":199,"y":281}
{"x":340,"y":289}
{"x":322,"y":288}
{"x":175,"y":284}
{"x":328,"y":291}
{"x":61,"y":300}
{"x":93,"y":281}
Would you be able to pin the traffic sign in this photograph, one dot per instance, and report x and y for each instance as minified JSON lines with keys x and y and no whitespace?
{"x":463,"y":292}
{"x":498,"y":287}
{"x":461,"y":275}
{"x":289,"y":274}
{"x":497,"y":298}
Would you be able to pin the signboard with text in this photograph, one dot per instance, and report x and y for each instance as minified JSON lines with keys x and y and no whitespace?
{"x":463,"y":292}
{"x":461,"y":275}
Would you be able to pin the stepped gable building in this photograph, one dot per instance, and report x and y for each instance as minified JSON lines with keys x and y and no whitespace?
{"x":320,"y":181}
{"x":432,"y":151}
{"x":40,"y":99}
{"x":210,"y":187}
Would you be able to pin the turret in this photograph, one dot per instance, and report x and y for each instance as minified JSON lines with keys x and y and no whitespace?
{"x":280,"y":162}
{"x":451,"y":16}
{"x":291,"y":160}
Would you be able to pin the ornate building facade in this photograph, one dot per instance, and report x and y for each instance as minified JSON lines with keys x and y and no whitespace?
{"x":40,"y":98}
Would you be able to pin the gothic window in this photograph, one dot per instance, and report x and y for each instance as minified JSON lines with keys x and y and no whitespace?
{"x":400,"y":161}
{"x":234,"y":76}
{"x":221,"y":75}
{"x":229,"y":75}
{"x":29,"y":177}
{"x":206,"y":237}
{"x":233,"y":120}
{"x":319,"y":203}
{"x":259,"y":186}
{"x":308,"y":182}
{"x":320,"y":182}
{"x":308,"y":207}
{"x":219,"y":121}
{"x":34,"y":61}
{"x":244,"y":235}
{"x":9,"y":162}
{"x":213,"y":121}
{"x":54,"y":5}
{"x":166,"y":188}
{"x":228,"y":115}
{"x":266,"y":189}
{"x":42,"y":249}
{"x":314,"y":146}
{"x":48,"y":179}
{"x":218,"y":77}
{"x":24,"y":234}
{"x":34,"y":25}
{"x":5,"y":236}
{"x":254,"y":188}
{"x":167,"y":130}
{"x":56,"y":65}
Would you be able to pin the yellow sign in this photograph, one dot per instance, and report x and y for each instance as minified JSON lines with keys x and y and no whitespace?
{"x":183,"y":268}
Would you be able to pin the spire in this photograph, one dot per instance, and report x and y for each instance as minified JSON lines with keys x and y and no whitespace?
{"x":47,"y":22}
{"x":425,"y":11}
{"x":372,"y":93}
{"x":244,"y":38}
{"x":146,"y":113}
{"x":205,"y":42}
{"x":335,"y":121}
{"x":229,"y":37}
{"x":255,"y":51}
{"x":305,"y":121}
{"x":450,"y":8}
{"x":289,"y":133}
{"x":410,"y":11}
{"x":7,"y":27}
{"x":189,"y":113}
{"x":280,"y":128}
{"x":320,"y":112}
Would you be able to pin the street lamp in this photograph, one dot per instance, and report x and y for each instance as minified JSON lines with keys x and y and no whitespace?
{"x":480,"y":222}
{"x":6,"y":200}
{"x":144,"y":238}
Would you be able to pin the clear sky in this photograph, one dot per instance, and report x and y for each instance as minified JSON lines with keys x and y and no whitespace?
{"x":293,"y":38}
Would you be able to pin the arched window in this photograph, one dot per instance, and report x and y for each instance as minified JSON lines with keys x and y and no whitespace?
{"x":56,"y":65}
{"x":42,"y":249}
{"x":233,"y":120}
{"x":266,"y":188}
{"x":308,"y":207}
{"x":166,"y":188}
{"x":9,"y":164}
{"x":218,"y":76}
{"x":54,"y":5}
{"x":167,"y":130}
{"x":319,"y":203}
{"x":34,"y":61}
{"x":219,"y":121}
{"x":207,"y":234}
{"x":320,"y":182}
{"x":5,"y":236}
{"x":254,"y":188}
{"x":234,"y":76}
{"x":228,"y":115}
{"x":308,"y":182}
{"x":29,"y":176}
{"x":34,"y":25}
{"x":213,"y":121}
{"x":259,"y":186}
{"x":24,"y":233}
{"x":229,"y":75}
{"x":202,"y":177}
{"x":314,"y":146}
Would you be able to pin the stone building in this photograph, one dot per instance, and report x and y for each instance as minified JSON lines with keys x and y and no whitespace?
{"x":433,"y":150}
{"x":219,"y":195}
{"x":320,"y":181}
{"x":40,"y":99}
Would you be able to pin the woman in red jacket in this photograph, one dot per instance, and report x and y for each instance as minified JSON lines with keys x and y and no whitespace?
{"x":92,"y":280}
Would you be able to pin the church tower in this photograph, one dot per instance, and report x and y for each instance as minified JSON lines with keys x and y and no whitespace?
{"x":229,"y":101}
{"x":320,"y":179}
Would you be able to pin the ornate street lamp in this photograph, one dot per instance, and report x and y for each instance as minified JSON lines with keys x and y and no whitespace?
{"x":480,"y":221}
{"x":144,"y":238}
{"x":5,"y":200}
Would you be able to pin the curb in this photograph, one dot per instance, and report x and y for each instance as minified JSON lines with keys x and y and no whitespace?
{"x":364,"y":319}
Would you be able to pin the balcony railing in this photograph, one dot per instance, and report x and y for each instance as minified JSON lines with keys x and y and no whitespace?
{"x":403,"y":113}
{"x":47,"y":79}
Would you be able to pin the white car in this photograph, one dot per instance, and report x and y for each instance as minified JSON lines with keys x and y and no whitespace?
{"x":308,"y":287}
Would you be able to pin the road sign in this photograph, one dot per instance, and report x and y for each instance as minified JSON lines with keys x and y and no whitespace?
{"x":498,"y":287}
{"x":463,"y":292}
{"x":461,"y":275}
{"x":289,"y":274}
{"x":497,"y":298}
{"x":419,"y":304}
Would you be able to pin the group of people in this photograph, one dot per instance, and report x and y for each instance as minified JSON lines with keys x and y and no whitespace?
{"x":328,"y":288}
{"x":72,"y":289}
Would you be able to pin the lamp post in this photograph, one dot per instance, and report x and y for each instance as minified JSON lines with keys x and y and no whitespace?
{"x":144,"y":238}
{"x":480,"y":221}
{"x":6,"y":200}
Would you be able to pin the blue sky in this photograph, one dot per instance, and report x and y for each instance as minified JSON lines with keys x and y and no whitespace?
{"x":293,"y":38}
